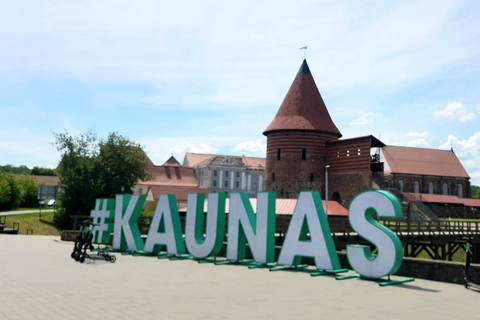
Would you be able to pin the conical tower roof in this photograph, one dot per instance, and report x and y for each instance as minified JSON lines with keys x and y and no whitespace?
{"x":303,"y":108}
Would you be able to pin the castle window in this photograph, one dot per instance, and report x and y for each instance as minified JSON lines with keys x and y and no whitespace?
{"x":358,"y":151}
{"x":430,"y":187}
{"x":460,"y":191}
{"x":238,"y":174}
{"x":416,"y":187}
{"x":278,"y":154}
{"x":304,"y":154}
{"x":273,"y":176}
{"x":214,"y":183}
{"x":226,"y":173}
{"x":445,"y":188}
{"x":237,"y":184}
{"x":226,"y":183}
{"x":348,"y":153}
{"x":214,"y":173}
{"x":311,"y":177}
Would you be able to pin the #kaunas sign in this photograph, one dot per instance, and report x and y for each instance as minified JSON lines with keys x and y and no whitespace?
{"x":258,"y":229}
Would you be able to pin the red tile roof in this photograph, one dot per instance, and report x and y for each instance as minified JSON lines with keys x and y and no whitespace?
{"x":171,"y":175}
{"x":433,"y":198}
{"x":303,"y":107}
{"x":172,"y":162}
{"x":47,"y":180}
{"x":440,"y":198}
{"x":181,"y":193}
{"x":287,"y":207}
{"x":432,"y":162}
{"x":471,"y":203}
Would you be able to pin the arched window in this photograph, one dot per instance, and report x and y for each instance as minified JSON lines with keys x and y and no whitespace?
{"x":430,"y":187}
{"x":445,"y":188}
{"x":460,"y":191}
{"x":416,"y":187}
{"x":336,"y":197}
{"x":400,"y":185}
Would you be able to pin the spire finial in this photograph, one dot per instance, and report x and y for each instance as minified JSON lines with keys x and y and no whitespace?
{"x":305,"y":51}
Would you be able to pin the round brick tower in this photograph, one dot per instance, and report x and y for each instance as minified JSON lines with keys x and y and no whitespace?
{"x":296,"y":151}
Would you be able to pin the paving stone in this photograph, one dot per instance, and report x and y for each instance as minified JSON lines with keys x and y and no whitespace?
{"x":39,"y":280}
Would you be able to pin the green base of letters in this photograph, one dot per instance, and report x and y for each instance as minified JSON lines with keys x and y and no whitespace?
{"x":382,"y":282}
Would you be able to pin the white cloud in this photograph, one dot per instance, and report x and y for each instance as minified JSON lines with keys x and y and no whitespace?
{"x":160,"y":149}
{"x":423,"y":134}
{"x":21,"y":146}
{"x":367,"y":118}
{"x":251,"y":146}
{"x":419,"y":139}
{"x":475,"y":178}
{"x":455,"y":110}
{"x":468,"y":150}
{"x":463,"y":148}
{"x":179,"y":151}
{"x":470,"y":164}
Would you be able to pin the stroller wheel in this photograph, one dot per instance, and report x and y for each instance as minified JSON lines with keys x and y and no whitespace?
{"x":73,"y":255}
{"x":81,"y":258}
{"x":113,"y":259}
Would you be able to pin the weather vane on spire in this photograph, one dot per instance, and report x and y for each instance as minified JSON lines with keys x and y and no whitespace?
{"x":304,"y":52}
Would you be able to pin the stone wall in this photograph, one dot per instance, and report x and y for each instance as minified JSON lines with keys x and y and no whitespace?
{"x":348,"y":185}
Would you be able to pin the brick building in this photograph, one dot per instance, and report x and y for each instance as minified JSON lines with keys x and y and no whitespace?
{"x":304,"y":146}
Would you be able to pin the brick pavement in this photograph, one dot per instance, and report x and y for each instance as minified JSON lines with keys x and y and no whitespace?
{"x":39,"y":280}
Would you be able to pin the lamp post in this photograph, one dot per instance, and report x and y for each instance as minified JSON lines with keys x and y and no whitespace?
{"x":326,"y":189}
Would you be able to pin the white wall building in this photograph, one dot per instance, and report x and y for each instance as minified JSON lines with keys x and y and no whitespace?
{"x":228,"y":173}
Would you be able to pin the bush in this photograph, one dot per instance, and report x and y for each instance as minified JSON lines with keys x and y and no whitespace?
{"x":29,"y":191}
{"x":10,"y":192}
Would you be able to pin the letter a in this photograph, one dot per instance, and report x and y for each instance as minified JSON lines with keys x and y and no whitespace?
{"x":309,"y":216}
{"x":165,"y":228}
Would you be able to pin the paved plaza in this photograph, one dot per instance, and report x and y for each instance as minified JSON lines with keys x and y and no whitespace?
{"x":39,"y":280}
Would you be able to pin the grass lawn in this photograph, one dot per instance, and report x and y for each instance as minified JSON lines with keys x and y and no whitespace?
{"x":40,"y":226}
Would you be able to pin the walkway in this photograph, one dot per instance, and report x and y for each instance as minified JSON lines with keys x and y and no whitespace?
{"x":9,"y":213}
{"x":39,"y":280}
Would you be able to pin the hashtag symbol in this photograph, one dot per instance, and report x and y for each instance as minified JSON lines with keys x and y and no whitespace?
{"x":102,"y":216}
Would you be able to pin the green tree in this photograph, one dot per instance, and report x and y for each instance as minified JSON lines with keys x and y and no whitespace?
{"x":10,"y":193}
{"x":28,"y":191}
{"x":91,"y":168}
{"x":14,"y":170}
{"x":477,"y":195}
{"x":475,"y":191}
{"x":39,"y":171}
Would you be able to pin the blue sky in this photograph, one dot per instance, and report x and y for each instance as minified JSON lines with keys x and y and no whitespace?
{"x":209,"y":76}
